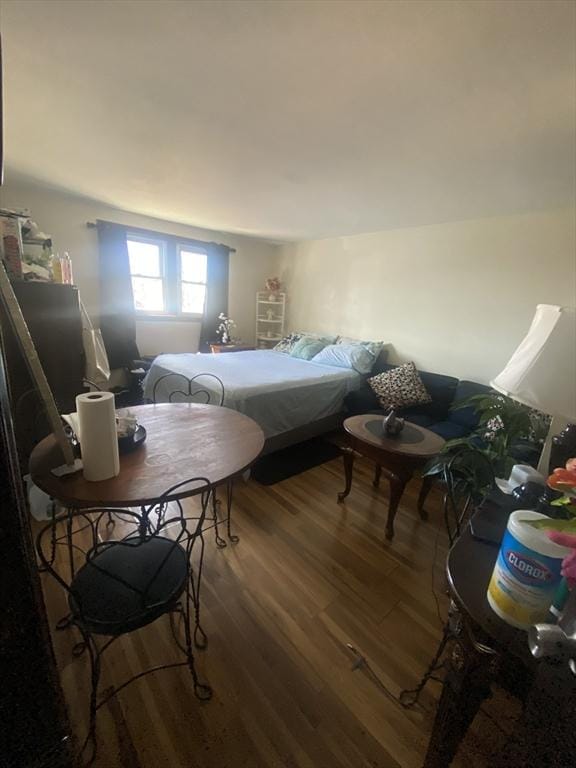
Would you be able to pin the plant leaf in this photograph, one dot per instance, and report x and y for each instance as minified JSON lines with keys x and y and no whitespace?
{"x":552,"y":525}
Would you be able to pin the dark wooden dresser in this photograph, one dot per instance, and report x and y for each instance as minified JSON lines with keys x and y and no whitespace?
{"x":52,"y":312}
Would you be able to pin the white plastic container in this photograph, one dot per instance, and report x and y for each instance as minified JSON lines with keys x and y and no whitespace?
{"x":527,"y":572}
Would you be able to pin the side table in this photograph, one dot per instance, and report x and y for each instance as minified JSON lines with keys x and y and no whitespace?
{"x":217,"y":349}
{"x":398,"y":457}
{"x":488,"y":650}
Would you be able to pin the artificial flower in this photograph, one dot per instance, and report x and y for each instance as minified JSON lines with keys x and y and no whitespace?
{"x":563,"y":480}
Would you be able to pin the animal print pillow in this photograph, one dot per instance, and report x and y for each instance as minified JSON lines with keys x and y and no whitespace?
{"x":288,"y":343}
{"x":400,"y":387}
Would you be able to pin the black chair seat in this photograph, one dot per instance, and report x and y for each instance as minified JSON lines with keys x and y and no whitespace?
{"x":128,"y":584}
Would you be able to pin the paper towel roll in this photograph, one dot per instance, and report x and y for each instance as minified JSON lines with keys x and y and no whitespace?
{"x":98,"y":439}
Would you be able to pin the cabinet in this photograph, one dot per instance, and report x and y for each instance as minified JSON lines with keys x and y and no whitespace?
{"x":52,"y":313}
{"x":270,"y":318}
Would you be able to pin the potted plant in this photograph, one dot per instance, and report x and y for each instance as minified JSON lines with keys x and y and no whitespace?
{"x":224,"y":330}
{"x":505,"y":426}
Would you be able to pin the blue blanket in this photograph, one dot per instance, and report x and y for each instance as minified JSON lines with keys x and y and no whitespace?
{"x":278,"y":391}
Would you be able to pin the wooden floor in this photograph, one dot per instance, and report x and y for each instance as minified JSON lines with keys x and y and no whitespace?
{"x":307,"y":577}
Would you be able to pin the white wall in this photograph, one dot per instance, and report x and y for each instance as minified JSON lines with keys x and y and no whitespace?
{"x":64,"y":216}
{"x":456,"y":298}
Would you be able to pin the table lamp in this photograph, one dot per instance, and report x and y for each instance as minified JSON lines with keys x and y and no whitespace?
{"x":542,"y":371}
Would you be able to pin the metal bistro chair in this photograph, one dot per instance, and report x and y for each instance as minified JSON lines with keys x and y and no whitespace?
{"x":468,"y":478}
{"x":117,"y":586}
{"x":187,"y":389}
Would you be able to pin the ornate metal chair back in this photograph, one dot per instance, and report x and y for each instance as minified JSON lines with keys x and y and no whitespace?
{"x":206,"y":385}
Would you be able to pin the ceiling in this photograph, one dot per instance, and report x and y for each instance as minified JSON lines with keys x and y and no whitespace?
{"x":298,"y":119}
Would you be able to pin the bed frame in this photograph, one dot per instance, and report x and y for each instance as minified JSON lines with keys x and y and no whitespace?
{"x":306,"y":432}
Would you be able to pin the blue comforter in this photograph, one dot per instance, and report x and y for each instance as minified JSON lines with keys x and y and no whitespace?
{"x":278,"y":391}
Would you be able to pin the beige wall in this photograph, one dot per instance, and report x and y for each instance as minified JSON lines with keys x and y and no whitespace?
{"x":64,"y":216}
{"x":456,"y":298}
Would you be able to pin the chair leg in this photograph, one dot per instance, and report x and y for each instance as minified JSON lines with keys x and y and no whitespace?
{"x":200,"y":639}
{"x":201,"y":690}
{"x":409,"y":698}
{"x":90,"y":740}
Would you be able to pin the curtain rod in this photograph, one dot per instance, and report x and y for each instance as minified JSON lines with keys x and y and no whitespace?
{"x":94,"y":225}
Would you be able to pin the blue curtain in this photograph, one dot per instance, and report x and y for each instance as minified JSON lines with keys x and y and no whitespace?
{"x":117,"y":318}
{"x":216,"y":292}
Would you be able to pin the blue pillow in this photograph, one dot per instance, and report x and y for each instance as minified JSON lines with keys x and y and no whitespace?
{"x":307,"y":347}
{"x":353,"y":356}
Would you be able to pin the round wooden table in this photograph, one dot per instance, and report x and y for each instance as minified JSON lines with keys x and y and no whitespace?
{"x":184,"y":440}
{"x":397,"y":456}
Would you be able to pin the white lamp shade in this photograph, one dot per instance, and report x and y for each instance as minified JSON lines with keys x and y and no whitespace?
{"x":542,"y":371}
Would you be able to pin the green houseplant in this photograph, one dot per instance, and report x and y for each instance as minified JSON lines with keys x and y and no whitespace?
{"x":503,"y":426}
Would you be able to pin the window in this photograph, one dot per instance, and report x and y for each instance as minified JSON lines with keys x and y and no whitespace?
{"x":147,"y":273}
{"x":193,"y":275}
{"x":168,"y":277}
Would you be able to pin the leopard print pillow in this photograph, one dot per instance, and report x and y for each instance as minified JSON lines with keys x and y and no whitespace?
{"x":400,"y":387}
{"x":287,"y":344}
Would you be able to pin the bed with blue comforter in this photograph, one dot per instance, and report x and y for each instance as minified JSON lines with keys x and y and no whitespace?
{"x":281,"y":393}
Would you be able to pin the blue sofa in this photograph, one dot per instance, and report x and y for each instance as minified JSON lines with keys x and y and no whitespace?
{"x":437,"y":415}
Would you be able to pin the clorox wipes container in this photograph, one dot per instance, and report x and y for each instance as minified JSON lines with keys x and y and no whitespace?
{"x":527,"y":572}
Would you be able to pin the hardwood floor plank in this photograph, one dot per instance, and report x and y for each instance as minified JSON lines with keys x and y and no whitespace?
{"x":308,"y":576}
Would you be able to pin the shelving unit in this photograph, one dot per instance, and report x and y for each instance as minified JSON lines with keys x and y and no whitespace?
{"x":270,"y":317}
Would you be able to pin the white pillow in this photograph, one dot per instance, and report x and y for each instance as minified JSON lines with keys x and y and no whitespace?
{"x":356,"y":357}
{"x":329,"y":338}
{"x":373,"y":346}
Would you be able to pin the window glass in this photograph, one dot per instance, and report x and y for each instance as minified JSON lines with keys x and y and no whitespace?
{"x":144,"y":258}
{"x":193,"y":266}
{"x":193,"y":297}
{"x":148,"y":294}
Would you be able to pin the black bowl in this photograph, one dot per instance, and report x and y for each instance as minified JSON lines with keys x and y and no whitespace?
{"x":131,"y":442}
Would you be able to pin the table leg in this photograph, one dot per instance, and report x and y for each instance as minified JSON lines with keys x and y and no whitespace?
{"x":348,"y":458}
{"x":229,"y":496}
{"x":466,"y":686}
{"x":377,"y":475}
{"x":397,"y":484}
{"x":425,"y":488}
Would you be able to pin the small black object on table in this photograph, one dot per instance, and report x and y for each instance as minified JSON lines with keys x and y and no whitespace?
{"x":487,"y":650}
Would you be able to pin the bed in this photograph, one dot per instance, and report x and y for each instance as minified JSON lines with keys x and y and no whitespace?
{"x":291,"y":399}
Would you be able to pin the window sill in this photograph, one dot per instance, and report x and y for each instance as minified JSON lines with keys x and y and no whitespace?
{"x":143,"y":316}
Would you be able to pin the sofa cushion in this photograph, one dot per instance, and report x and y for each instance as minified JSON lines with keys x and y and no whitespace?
{"x":399,"y":387}
{"x":468,"y":416}
{"x":362,"y":400}
{"x":441,"y":390}
{"x":421,"y":419}
{"x":448,"y":430}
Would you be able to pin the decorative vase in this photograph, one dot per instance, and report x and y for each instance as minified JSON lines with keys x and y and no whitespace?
{"x":392,"y":424}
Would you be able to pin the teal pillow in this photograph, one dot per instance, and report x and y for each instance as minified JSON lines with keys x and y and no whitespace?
{"x":308,"y":347}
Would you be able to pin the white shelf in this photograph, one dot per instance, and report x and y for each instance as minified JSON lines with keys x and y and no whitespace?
{"x":274,"y":324}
